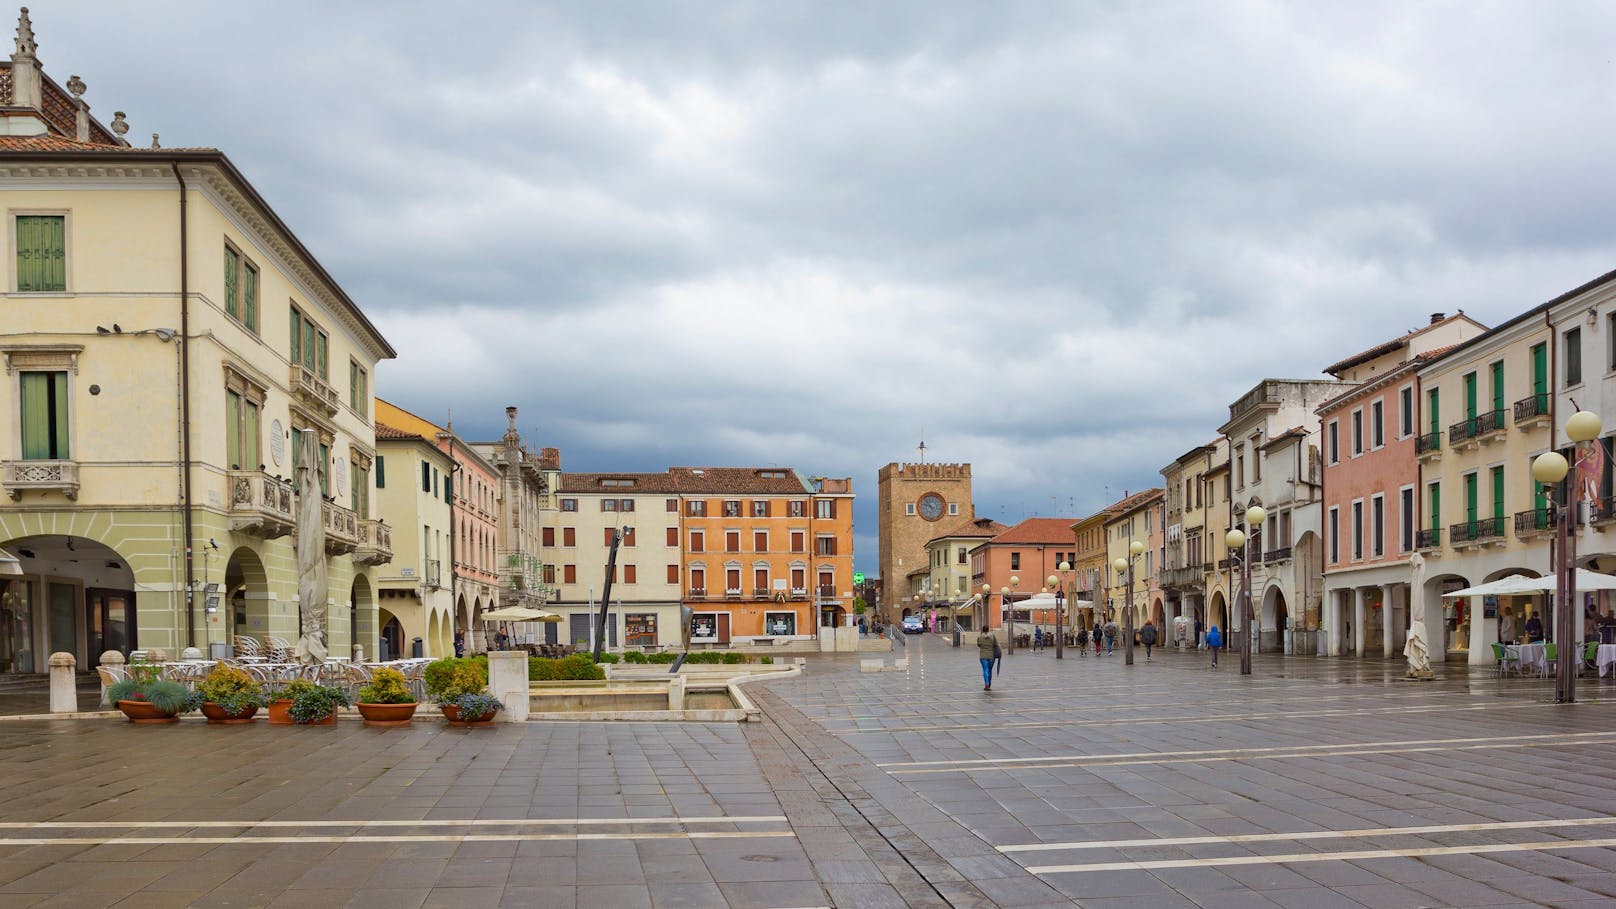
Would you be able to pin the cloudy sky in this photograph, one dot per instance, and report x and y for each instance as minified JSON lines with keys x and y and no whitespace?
{"x":1058,"y":237}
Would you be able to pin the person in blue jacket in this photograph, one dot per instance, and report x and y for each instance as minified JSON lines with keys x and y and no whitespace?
{"x":1214,"y":643}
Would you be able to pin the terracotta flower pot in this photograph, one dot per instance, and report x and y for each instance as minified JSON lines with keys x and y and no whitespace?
{"x":328,"y":721}
{"x":219,"y":715}
{"x":451,"y":712}
{"x":143,"y":713}
{"x":278,"y":712}
{"x":387,"y":714}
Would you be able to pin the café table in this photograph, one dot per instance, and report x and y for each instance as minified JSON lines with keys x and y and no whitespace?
{"x":1606,"y":657}
{"x":1530,"y":656}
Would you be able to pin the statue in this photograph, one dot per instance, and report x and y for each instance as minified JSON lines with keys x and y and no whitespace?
{"x":1419,"y":658}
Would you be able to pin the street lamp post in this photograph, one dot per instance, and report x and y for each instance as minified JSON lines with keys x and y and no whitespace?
{"x":987,"y":597}
{"x":1006,"y":595}
{"x":1065,"y":569}
{"x":1550,"y":469}
{"x":1135,"y":549}
{"x":1255,"y":516}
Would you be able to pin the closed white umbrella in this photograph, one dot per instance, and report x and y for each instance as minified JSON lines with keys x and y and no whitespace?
{"x":311,"y":577}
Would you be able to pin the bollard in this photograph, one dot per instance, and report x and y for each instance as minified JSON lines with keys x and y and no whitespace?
{"x":507,"y":680}
{"x":156,"y":655}
{"x":359,"y":653}
{"x":191,"y":653}
{"x":64,"y":693}
{"x":676,"y":693}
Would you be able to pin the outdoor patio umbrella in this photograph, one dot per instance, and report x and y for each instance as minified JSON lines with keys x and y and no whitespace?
{"x":311,"y":576}
{"x":1514,"y":585}
{"x":519,"y":614}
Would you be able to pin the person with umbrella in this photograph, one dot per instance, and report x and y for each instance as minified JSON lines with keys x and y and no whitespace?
{"x":987,"y":650}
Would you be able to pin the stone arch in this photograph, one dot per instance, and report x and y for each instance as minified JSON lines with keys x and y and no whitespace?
{"x":1217,"y":613}
{"x":1275,"y":617}
{"x":360,"y":622}
{"x":1158,"y":615}
{"x":246,"y":586}
{"x":97,"y":585}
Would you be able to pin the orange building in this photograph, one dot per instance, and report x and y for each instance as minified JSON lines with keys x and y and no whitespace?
{"x":766,"y":553}
{"x":1022,"y":559}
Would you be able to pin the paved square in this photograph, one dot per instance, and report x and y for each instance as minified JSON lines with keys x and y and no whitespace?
{"x":1313,"y":782}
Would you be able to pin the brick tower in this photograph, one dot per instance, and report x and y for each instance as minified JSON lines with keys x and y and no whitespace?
{"x":917,"y":502}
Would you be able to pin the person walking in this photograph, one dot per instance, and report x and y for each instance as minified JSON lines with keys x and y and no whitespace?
{"x":1099,"y":636}
{"x":1081,"y":636}
{"x":460,"y":642}
{"x":987,"y":650}
{"x":1214,"y":641}
{"x":1110,"y":636}
{"x":1147,"y":637}
{"x":1037,"y":638}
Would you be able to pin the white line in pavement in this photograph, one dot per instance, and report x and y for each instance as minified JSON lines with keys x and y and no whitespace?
{"x":1216,"y":751}
{"x":1283,"y":755}
{"x":384,"y":838}
{"x":468,"y":822}
{"x":1299,"y":857}
{"x":1206,"y":718}
{"x":1148,"y":705}
{"x":1313,"y":835}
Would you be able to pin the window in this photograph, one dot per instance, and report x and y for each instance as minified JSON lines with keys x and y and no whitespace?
{"x":358,"y":388}
{"x":1435,"y":496}
{"x":698,"y":541}
{"x":673,"y":506}
{"x":569,"y":504}
{"x":381,"y":472}
{"x":698,"y":579}
{"x":569,"y":574}
{"x":569,"y":536}
{"x":673,"y":574}
{"x":961,"y":555}
{"x":240,"y":288}
{"x":1405,"y":519}
{"x":1357,"y":433}
{"x":359,"y":486}
{"x":732,"y":541}
{"x":1240,"y":466}
{"x":779,"y":623}
{"x":760,"y":580}
{"x":732,"y":508}
{"x":309,"y":344}
{"x":1015,"y":561}
{"x":824,"y":509}
{"x":41,"y":253}
{"x":610,"y":535}
{"x":628,"y":536}
{"x":797,"y":508}
{"x":1357,"y":530}
{"x":953,"y":509}
{"x":760,"y":508}
{"x":1334,"y":531}
{"x":1377,"y":525}
{"x":426,"y":477}
{"x":44,"y":416}
{"x":732,"y":580}
{"x":630,"y":574}
{"x":673,"y":536}
{"x":1405,"y":412}
{"x":696,"y":508}
{"x":825,"y":545}
{"x":1573,"y":357}
{"x":760,"y":541}
{"x":608,"y":504}
{"x":799,"y":541}
{"x":242,"y":406}
{"x":639,"y":629}
{"x":625,"y":504}
{"x":547,"y":536}
{"x":909,"y":509}
{"x":1377,"y":424}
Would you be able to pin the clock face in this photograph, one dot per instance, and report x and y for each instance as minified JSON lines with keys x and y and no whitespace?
{"x":931,"y":506}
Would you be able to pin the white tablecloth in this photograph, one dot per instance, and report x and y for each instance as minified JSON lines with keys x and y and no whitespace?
{"x":1533,"y":657}
{"x":1607,"y":657}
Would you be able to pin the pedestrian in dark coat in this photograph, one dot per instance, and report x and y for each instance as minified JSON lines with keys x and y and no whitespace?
{"x":1147,"y":637}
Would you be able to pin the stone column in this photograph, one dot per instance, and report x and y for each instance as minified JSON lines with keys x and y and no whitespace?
{"x":507,"y":680}
{"x":1360,"y":608}
{"x":1332,"y":622}
{"x":64,"y":694}
{"x":1388,"y":631}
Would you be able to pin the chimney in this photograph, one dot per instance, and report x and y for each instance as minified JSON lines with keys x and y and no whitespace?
{"x":1437,"y":317}
{"x":81,"y":126}
{"x":27,"y":82}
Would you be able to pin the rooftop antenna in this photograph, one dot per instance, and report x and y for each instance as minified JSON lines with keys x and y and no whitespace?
{"x":922,"y":444}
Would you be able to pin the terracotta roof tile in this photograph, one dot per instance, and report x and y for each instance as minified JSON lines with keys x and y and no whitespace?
{"x":50,"y":143}
{"x":1133,"y":502}
{"x":394,"y":434}
{"x":1038,"y":530}
{"x":643,"y":483}
{"x":717,"y":480}
{"x":979,"y":528}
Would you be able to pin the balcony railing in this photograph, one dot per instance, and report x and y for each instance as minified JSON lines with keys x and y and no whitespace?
{"x":1207,"y":566}
{"x":1183,"y":577}
{"x":1428,"y":539}
{"x":698,"y":593}
{"x":1476,"y":531}
{"x":1489,"y":424}
{"x":1224,"y":563}
{"x":827,"y":592}
{"x":1532,"y":409}
{"x":41,"y":476}
{"x":375,"y":543}
{"x":1277,"y":555}
{"x":1604,"y":510}
{"x":1462,"y":431}
{"x":1538,"y":520}
{"x":732,"y":593}
{"x":799,"y":593}
{"x":312,"y":389}
{"x":260,"y":504}
{"x":1428,"y":444}
{"x":341,"y":529}
{"x":760,"y":593}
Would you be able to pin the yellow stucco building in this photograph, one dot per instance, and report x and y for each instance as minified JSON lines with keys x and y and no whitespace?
{"x":165,"y":338}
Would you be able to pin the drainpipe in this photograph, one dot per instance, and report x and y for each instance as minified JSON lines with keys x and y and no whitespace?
{"x":185,"y":412}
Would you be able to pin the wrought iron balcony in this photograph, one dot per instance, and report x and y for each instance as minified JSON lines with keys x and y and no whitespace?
{"x":799,"y":593}
{"x":1428,"y":445}
{"x":1534,"y":522}
{"x":732,"y":593}
{"x":41,"y":476}
{"x":827,"y":593}
{"x":697,"y":593}
{"x":1277,"y":555}
{"x":1461,"y":432}
{"x":375,"y":543}
{"x":260,"y":504}
{"x":1489,"y":425}
{"x":1532,"y":410}
{"x":760,"y":593}
{"x":1428,"y":539}
{"x":1479,"y":531}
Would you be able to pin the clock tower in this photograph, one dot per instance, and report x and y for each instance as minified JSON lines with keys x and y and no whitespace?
{"x":916,"y":502}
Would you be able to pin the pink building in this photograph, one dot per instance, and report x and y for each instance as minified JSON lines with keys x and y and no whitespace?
{"x":1029,"y":552}
{"x":1371,"y":482}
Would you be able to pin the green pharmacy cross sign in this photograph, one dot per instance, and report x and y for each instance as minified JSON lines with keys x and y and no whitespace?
{"x":858,"y":577}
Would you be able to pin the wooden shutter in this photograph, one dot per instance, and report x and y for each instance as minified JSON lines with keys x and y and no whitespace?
{"x":249,"y":297}
{"x":548,"y":536}
{"x":569,"y":536}
{"x":232,"y":266}
{"x":760,"y":541}
{"x":41,"y":253}
{"x":569,"y":574}
{"x":232,"y":432}
{"x":673,"y":536}
{"x":673,"y":574}
{"x":630,"y":574}
{"x":296,"y":348}
{"x":44,"y":416}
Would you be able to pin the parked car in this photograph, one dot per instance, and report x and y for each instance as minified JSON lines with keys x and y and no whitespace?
{"x":913,"y":625}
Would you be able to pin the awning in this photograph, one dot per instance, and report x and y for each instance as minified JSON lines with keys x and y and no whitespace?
{"x":1520,"y":584}
{"x":519,"y":614}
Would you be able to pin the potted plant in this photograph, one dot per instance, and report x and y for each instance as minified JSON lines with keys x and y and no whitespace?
{"x":146,"y":698}
{"x":280,"y":703}
{"x":229,"y":695}
{"x":386,"y":701}
{"x":449,"y":678}
{"x":317,"y":705}
{"x":472,"y":710}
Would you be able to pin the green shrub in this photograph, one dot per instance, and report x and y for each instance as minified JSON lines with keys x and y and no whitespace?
{"x":451,"y":677}
{"x":705,"y":657}
{"x":661,"y":658}
{"x":766,"y":660}
{"x":578,"y":667}
{"x":607,"y":658}
{"x":231,"y":688}
{"x":387,"y":686}
{"x":732,"y":658}
{"x":316,"y":703}
{"x":294,"y":688}
{"x":474,"y":707}
{"x":634,"y":656}
{"x":169,"y":697}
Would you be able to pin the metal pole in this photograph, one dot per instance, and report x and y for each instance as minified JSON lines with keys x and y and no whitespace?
{"x":1245,"y":606}
{"x":1565,"y":676}
{"x":1010,"y":603}
{"x":1127,"y":618}
{"x":1060,"y":623}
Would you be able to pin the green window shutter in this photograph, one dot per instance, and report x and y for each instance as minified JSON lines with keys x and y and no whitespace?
{"x":320,"y":359}
{"x":297,"y":459}
{"x":308,"y":345}
{"x":1498,"y":492}
{"x":364,"y":492}
{"x":1470,"y":496}
{"x":353,"y":385}
{"x":381,"y":472}
{"x":1540,"y":369}
{"x":353,"y":490}
{"x":232,"y":433}
{"x":249,"y":437}
{"x":249,"y":298}
{"x":1435,"y":401}
{"x":1470,"y":395}
{"x":232,"y":266}
{"x":1498,"y":385}
{"x":44,"y":416}
{"x":41,"y":253}
{"x":296,"y":349}
{"x":325,"y":469}
{"x":1436,"y":506}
